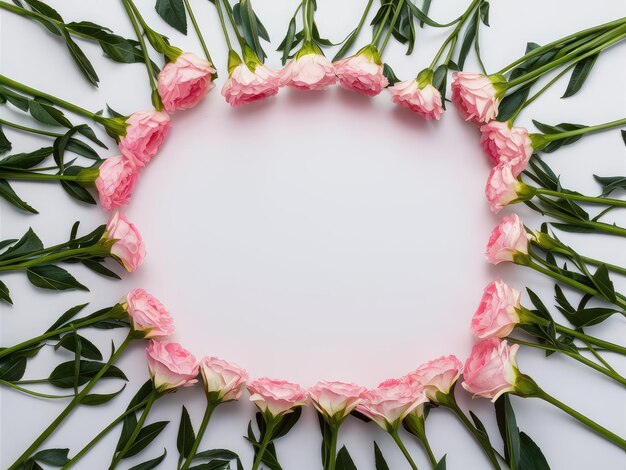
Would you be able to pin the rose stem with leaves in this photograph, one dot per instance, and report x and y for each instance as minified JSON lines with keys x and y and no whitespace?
{"x":570,"y":254}
{"x":30,"y":129}
{"x":211,"y":405}
{"x":75,"y":253}
{"x":392,"y":25}
{"x":31,"y":392}
{"x":354,"y":34}
{"x":77,"y":399}
{"x":540,"y":141}
{"x":416,"y":425}
{"x":270,"y":423}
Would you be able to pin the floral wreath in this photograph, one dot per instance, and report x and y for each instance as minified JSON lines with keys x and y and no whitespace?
{"x":492,"y":101}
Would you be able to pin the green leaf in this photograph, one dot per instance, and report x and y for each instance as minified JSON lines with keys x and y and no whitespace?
{"x":531,"y":456}
{"x":422,"y":17}
{"x":17,"y":100}
{"x":579,"y":75}
{"x":344,"y":460}
{"x":379,"y":460}
{"x":63,"y":375}
{"x":67,"y":316}
{"x":48,"y":114}
{"x":76,"y":191}
{"x":484,"y":13}
{"x":49,"y":276}
{"x":602,"y":281}
{"x":96,"y":399}
{"x":507,"y":425}
{"x":145,"y":437}
{"x":390,"y":75}
{"x":173,"y":12}
{"x":45,"y":9}
{"x":611,"y":183}
{"x":79,"y":58}
{"x":88,"y":350}
{"x":4,"y":293}
{"x":115,"y":47}
{"x":221,"y":454}
{"x":12,"y":368}
{"x":287,"y":422}
{"x":5,"y":144}
{"x":468,"y":40}
{"x":100,"y":269}
{"x":8,"y":194}
{"x":21,"y":161}
{"x":54,"y":457}
{"x":440,"y":79}
{"x":186,"y":434}
{"x":27,"y":244}
{"x":287,"y":43}
{"x":150,"y":464}
{"x":441,"y":465}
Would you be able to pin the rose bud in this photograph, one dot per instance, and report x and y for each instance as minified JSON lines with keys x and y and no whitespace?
{"x":477,"y":96}
{"x":248,"y":81}
{"x":437,"y":376}
{"x":145,"y":132}
{"x":491,"y":369}
{"x":506,"y":144}
{"x":362,"y":72}
{"x":147,"y":315}
{"x":419,"y":95}
{"x":507,"y":241}
{"x":276,"y":397}
{"x":126,"y":243}
{"x":184,"y":82}
{"x":171,"y":366}
{"x":309,"y":70}
{"x":223,"y":381}
{"x":114,"y":182}
{"x":336,"y":400}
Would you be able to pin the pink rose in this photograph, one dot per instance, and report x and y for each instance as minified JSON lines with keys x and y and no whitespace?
{"x":277,"y":397}
{"x":491,"y":369}
{"x":390,"y":402}
{"x":336,"y":400}
{"x":128,"y":248}
{"x":115,"y":181}
{"x":145,"y":132}
{"x":245,"y":86}
{"x":224,"y":380}
{"x":477,"y":96}
{"x":504,"y":144}
{"x":148,"y":315}
{"x":497,"y":314}
{"x":437,"y":376}
{"x":502,"y":187}
{"x":424,"y":101}
{"x":183,"y":83}
{"x":363,"y":72}
{"x":310,"y":71}
{"x":507,"y":239}
{"x":171,"y":366}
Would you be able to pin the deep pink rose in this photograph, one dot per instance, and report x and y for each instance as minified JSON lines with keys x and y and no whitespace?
{"x":128,"y":248}
{"x":309,"y":72}
{"x":438,"y":375}
{"x":145,"y":132}
{"x":424,"y":101}
{"x":507,"y":239}
{"x":276,"y":396}
{"x":502,"y":187}
{"x":390,"y":402}
{"x":223,"y":379}
{"x":245,"y":86}
{"x":183,"y":83}
{"x":115,"y":181}
{"x":171,"y":366}
{"x":362,"y":72}
{"x":504,"y":144}
{"x":477,"y":96}
{"x":336,"y":400}
{"x":148,"y":315}
{"x":497,"y":315}
{"x":491,"y":369}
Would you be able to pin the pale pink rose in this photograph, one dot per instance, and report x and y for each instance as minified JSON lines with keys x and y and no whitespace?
{"x":128,"y":248}
{"x":183,"y":83}
{"x":425,"y":101}
{"x":115,"y":181}
{"x":502,"y":187}
{"x":309,"y":72}
{"x":497,"y":315}
{"x":476,"y":96}
{"x":362,"y":72}
{"x":390,"y":402}
{"x":507,"y":239}
{"x":245,"y":86}
{"x":145,"y":132}
{"x":437,"y":376}
{"x":491,"y":369}
{"x":276,"y":397}
{"x":171,"y":366}
{"x":504,"y":144}
{"x":336,"y":400}
{"x":148,"y":315}
{"x":224,"y":380}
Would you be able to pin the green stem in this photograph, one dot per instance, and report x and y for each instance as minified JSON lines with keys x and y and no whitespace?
{"x":267,"y":438}
{"x":396,"y":437}
{"x":220,"y":13}
{"x":454,"y":35}
{"x":37,"y":176}
{"x":580,"y":197}
{"x":101,"y":434}
{"x":368,"y":6}
{"x":584,"y":130}
{"x":332,"y":456}
{"x":30,"y":129}
{"x":31,"y":392}
{"x":600,"y":226}
{"x":142,"y":419}
{"x":198,"y":32}
{"x":396,"y":15}
{"x":205,"y":422}
{"x":595,"y":341}
{"x":229,"y":13}
{"x":73,"y":253}
{"x":381,"y":26}
{"x":77,"y":399}
{"x":617,"y":440}
{"x":306,"y":27}
{"x":416,"y":425}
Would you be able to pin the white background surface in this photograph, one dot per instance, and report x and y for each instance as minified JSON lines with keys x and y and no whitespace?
{"x":316,"y":236}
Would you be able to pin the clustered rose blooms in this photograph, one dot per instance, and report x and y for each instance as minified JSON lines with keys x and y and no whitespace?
{"x":391,"y":402}
{"x":148,"y":315}
{"x":245,"y":85}
{"x":224,"y":381}
{"x":115,"y":181}
{"x":507,"y":240}
{"x":309,"y":71}
{"x":171,"y":366}
{"x":336,"y":400}
{"x":477,"y":96}
{"x":277,"y":397}
{"x":502,"y":187}
{"x":145,"y":132}
{"x":504,"y":143}
{"x":362,"y":72}
{"x":437,"y":376}
{"x":128,"y":247}
{"x":491,"y":369}
{"x":425,"y":101}
{"x":183,"y":83}
{"x":497,"y":314}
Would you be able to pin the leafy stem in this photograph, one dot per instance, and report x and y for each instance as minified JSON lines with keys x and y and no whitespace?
{"x":453,"y":38}
{"x":396,"y":15}
{"x":396,"y":437}
{"x":267,"y":438}
{"x":203,"y":426}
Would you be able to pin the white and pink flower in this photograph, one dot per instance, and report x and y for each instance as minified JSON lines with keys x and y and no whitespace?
{"x":183,"y":83}
{"x":171,"y":366}
{"x":507,"y":240}
{"x":148,"y":315}
{"x":477,"y":97}
{"x":127,"y":245}
{"x":362,"y":72}
{"x":497,"y":314}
